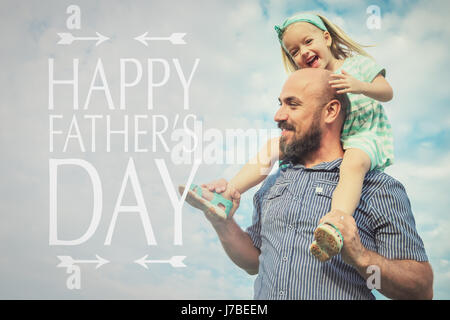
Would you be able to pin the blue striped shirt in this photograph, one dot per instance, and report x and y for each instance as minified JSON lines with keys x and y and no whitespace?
{"x":287,"y":210}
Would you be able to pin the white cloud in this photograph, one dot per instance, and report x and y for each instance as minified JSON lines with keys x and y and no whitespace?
{"x":236,"y":85}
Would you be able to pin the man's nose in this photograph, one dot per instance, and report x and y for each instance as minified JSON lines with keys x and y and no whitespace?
{"x":280,"y":115}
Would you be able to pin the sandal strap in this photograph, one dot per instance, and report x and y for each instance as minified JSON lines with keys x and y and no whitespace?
{"x":219,"y":199}
{"x":335,"y":228}
{"x":197,"y":189}
{"x":216,"y":200}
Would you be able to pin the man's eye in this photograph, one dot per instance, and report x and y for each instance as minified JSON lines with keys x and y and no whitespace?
{"x":308,"y":41}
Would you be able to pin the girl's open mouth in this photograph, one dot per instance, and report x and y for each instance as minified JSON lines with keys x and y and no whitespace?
{"x":312,"y":62}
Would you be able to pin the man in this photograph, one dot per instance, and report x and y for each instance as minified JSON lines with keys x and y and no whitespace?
{"x":381,"y":234}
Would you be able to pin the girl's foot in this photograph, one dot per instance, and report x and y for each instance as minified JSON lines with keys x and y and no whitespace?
{"x":207,"y":201}
{"x":318,"y":252}
{"x":328,"y":242}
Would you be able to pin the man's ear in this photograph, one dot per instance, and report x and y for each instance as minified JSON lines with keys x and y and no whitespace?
{"x":332,"y":111}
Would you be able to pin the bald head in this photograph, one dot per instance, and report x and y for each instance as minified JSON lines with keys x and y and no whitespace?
{"x":312,"y":84}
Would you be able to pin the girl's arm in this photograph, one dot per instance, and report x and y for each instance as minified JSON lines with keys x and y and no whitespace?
{"x":257,"y":169}
{"x":379,"y":89}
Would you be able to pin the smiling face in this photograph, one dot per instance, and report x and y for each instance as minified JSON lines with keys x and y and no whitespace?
{"x":298,"y":143}
{"x":310,"y":116}
{"x":299,"y":115}
{"x":309,"y":46}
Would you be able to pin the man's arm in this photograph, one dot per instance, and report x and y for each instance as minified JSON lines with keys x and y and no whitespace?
{"x":400,"y":279}
{"x":238,"y":245}
{"x":236,"y":242}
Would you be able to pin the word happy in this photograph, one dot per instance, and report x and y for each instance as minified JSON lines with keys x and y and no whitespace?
{"x":124,"y":65}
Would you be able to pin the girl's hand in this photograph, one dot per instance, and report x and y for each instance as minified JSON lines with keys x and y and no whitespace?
{"x":345,"y":83}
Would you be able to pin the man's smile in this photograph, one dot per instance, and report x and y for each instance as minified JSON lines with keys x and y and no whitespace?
{"x":285,"y":132}
{"x":286,"y":128}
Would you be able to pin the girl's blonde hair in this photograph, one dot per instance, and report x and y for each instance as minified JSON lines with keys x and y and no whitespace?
{"x":342,"y":46}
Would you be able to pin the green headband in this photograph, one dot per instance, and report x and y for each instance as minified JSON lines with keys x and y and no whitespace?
{"x":302,"y":17}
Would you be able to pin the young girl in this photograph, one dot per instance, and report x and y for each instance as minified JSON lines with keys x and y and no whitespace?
{"x":311,"y":41}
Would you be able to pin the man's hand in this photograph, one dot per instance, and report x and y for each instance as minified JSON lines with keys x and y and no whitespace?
{"x":229,"y":191}
{"x":400,"y":279}
{"x":353,"y":252}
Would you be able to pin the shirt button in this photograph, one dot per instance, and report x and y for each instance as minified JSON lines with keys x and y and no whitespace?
{"x":285,"y":258}
{"x":281,"y":292}
{"x":290,"y":226}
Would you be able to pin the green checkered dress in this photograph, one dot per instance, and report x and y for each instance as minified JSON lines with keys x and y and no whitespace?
{"x":366,"y":126}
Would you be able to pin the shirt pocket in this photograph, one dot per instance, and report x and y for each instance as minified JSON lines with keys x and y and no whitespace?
{"x":323,"y":192}
{"x":276,"y":191}
{"x":324,"y":188}
{"x":273,"y":206}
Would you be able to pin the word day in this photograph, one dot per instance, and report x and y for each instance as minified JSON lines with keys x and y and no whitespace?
{"x":131,"y":178}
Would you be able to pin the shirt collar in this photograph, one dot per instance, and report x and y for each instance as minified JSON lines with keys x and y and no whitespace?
{"x":327,"y":166}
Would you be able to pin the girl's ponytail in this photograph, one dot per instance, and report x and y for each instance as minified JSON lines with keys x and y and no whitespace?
{"x":342,"y":45}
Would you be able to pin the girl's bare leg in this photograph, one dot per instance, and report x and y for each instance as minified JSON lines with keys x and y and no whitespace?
{"x":328,"y":240}
{"x":254,"y":172}
{"x":355,"y":165}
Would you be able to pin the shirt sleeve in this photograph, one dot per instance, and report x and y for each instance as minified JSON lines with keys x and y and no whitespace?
{"x":396,"y":236}
{"x":369,"y":69}
{"x":254,"y":230}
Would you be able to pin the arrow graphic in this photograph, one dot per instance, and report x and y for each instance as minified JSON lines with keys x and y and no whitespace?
{"x":68,"y":38}
{"x":175,"y":261}
{"x":175,"y":38}
{"x":67,"y":261}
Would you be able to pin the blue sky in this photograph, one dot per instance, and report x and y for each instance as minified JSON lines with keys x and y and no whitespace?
{"x":236,"y":86}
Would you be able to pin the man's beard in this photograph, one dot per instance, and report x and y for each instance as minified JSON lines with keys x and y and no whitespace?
{"x":303,"y":147}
